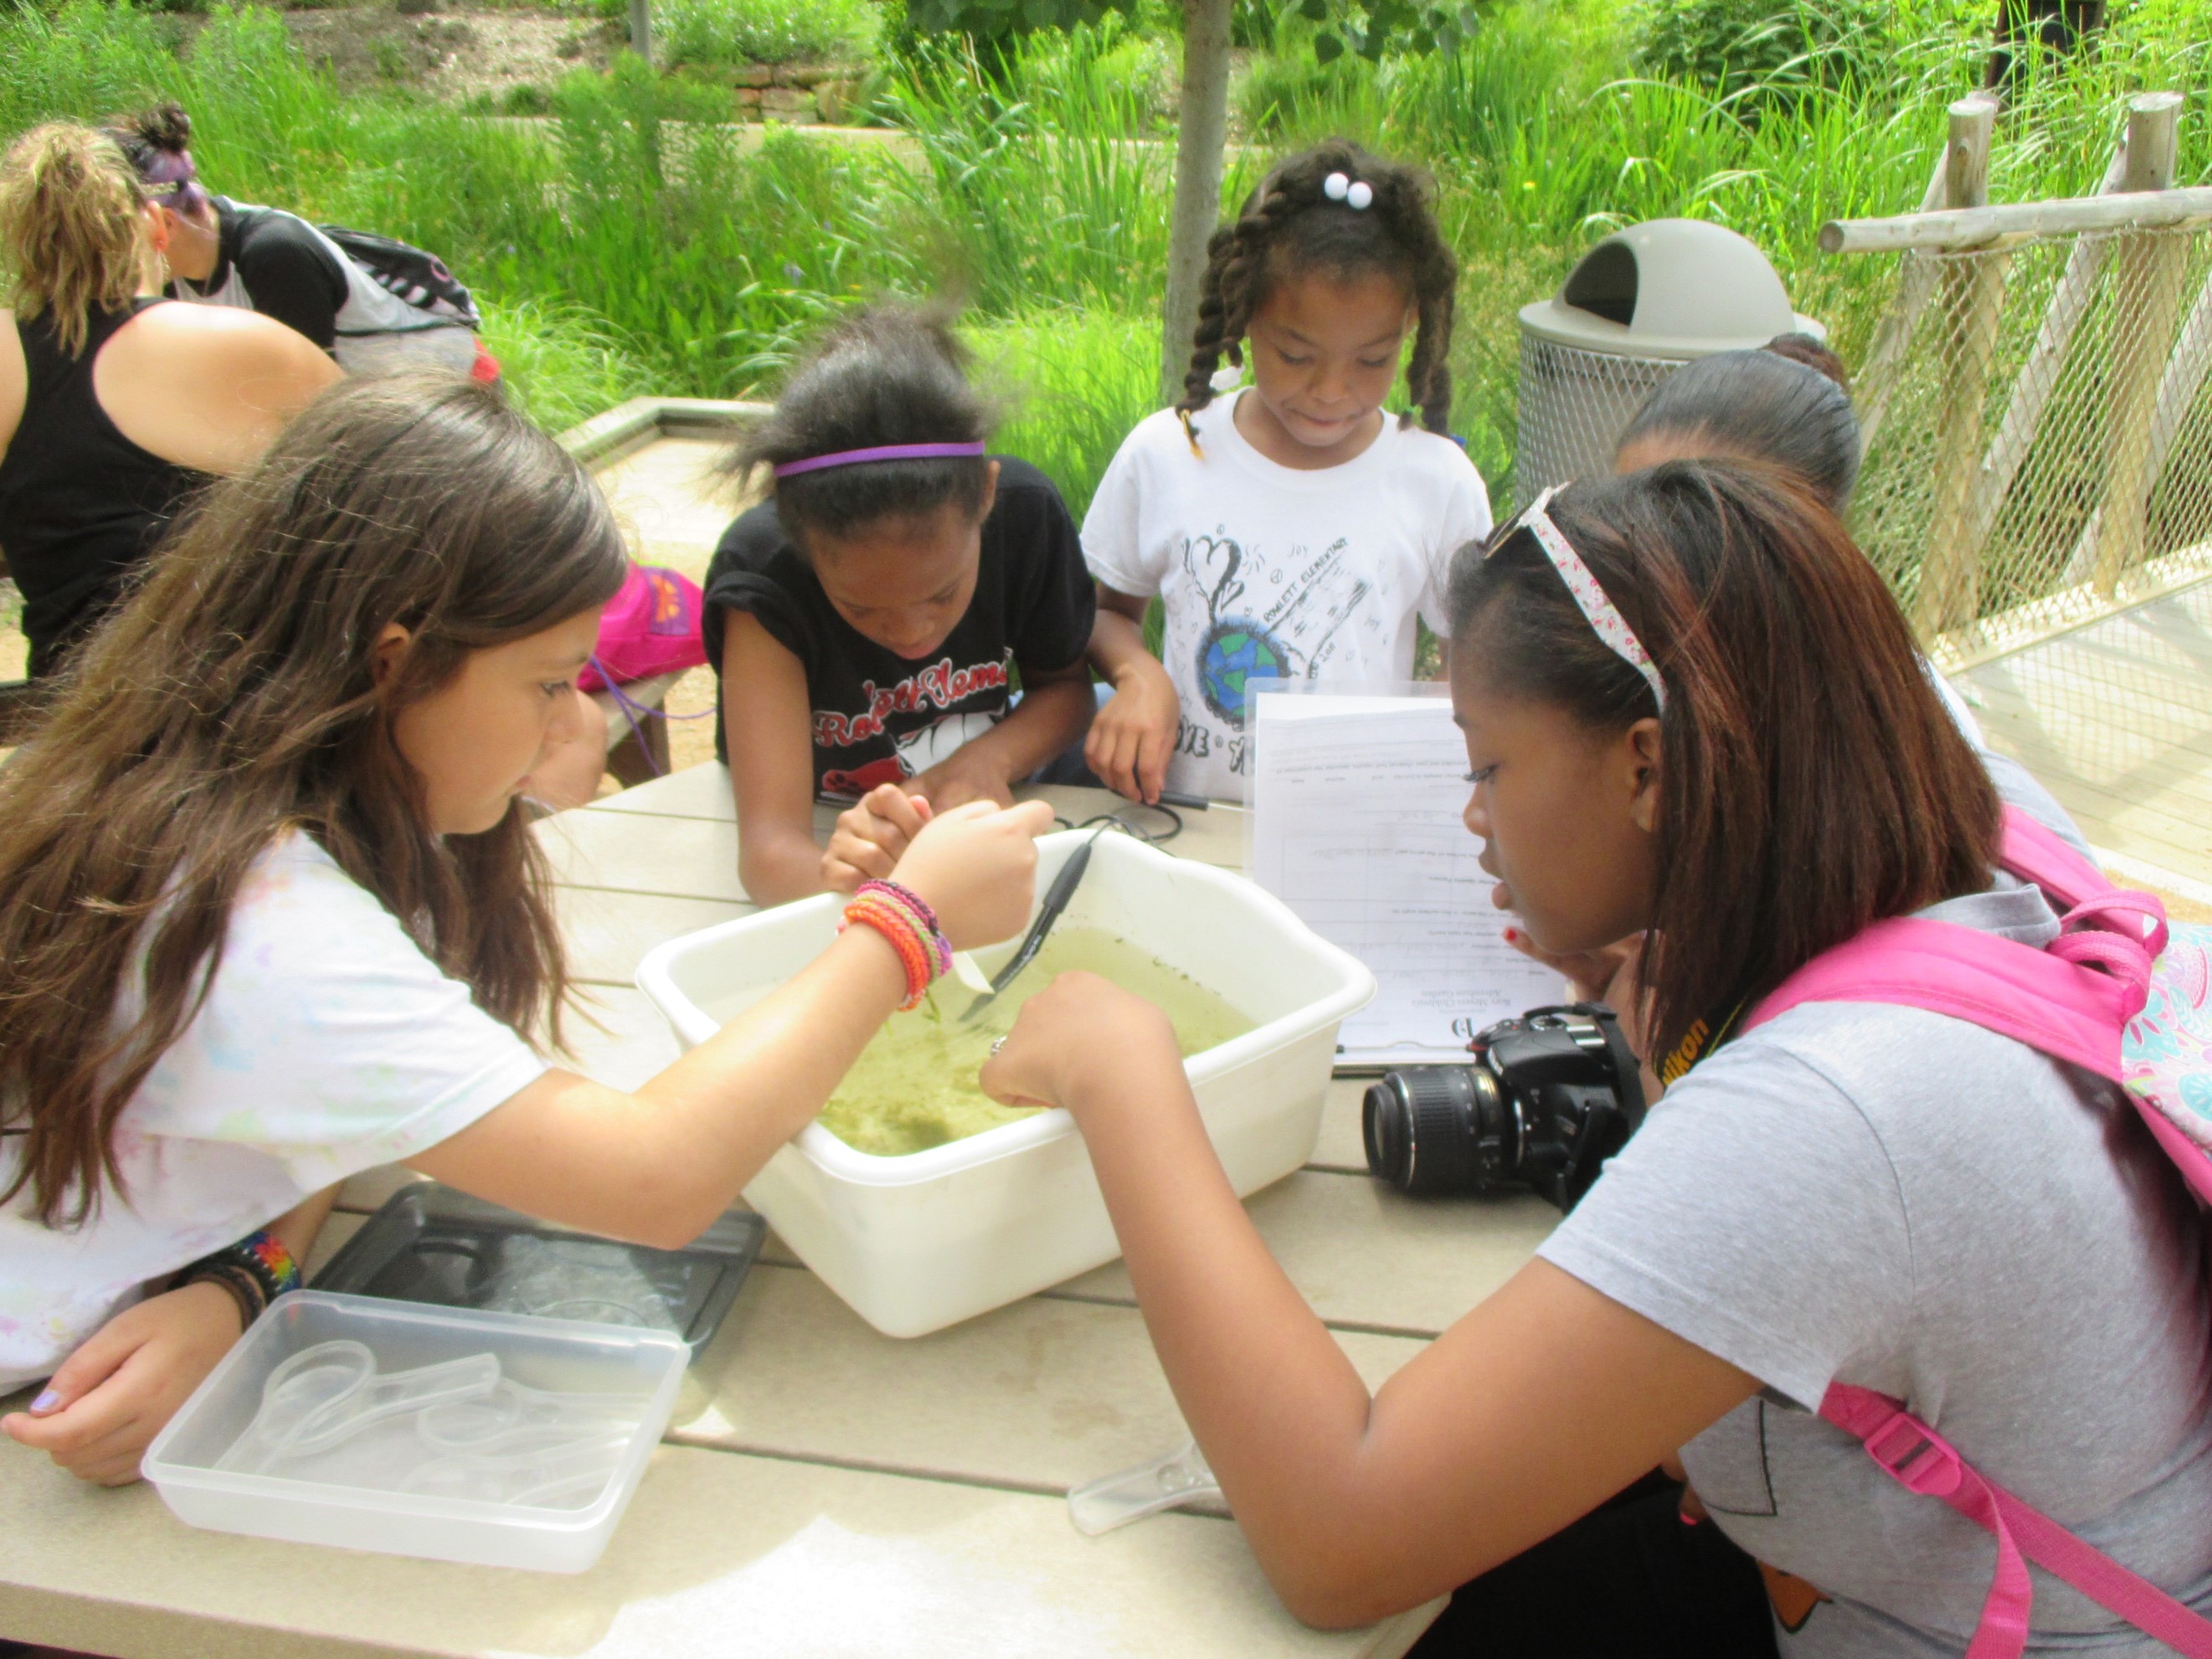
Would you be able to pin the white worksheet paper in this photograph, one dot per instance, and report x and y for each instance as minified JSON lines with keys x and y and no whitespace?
{"x":1356,"y":804}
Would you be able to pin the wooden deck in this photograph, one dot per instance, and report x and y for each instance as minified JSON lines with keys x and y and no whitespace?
{"x":2116,"y":719}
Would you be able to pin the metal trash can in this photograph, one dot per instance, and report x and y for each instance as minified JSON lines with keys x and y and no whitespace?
{"x":1636,"y":306}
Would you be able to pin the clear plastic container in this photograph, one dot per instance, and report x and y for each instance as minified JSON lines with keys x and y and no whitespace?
{"x":503,"y":1440}
{"x":918,"y":1242}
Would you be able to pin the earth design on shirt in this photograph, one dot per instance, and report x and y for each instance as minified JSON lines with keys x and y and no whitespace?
{"x":1232,"y":654}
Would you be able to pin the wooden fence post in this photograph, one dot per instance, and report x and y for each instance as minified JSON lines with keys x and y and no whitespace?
{"x":2147,"y":294}
{"x":640,"y":29}
{"x":1877,"y":377}
{"x":1971,"y":297}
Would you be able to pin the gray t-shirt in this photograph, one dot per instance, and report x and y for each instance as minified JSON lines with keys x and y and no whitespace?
{"x":1891,"y":1198}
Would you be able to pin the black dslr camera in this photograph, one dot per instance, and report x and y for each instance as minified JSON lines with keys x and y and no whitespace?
{"x":1547,"y":1099}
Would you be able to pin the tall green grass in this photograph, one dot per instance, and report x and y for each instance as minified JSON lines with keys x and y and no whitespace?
{"x":1074,"y":382}
{"x":619,"y":249}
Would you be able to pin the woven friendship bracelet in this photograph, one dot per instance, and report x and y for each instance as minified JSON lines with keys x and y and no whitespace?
{"x":914,"y":959}
{"x":905,"y":896}
{"x":905,"y":919}
{"x":255,"y":1271}
{"x":917,"y":909}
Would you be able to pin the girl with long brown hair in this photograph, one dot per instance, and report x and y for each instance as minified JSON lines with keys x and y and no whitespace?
{"x":1692,"y":711}
{"x":269,"y":914}
{"x":114,"y":406}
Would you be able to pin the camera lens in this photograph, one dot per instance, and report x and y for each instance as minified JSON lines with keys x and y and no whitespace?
{"x":1424,"y":1127}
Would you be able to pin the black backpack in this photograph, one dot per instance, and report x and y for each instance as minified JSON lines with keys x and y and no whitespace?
{"x":418,"y":278}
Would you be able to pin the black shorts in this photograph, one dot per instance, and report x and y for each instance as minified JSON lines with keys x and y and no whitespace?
{"x":1630,"y":1580}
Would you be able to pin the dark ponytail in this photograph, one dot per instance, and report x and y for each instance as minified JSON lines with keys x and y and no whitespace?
{"x":157,"y":142}
{"x":1290,"y":226}
{"x":889,"y":374}
{"x":1788,"y":403}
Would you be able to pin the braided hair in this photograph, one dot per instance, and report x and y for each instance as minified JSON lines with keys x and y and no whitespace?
{"x":1290,"y":225}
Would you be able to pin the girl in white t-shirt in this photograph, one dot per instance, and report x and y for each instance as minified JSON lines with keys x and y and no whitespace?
{"x":269,"y":914}
{"x":1290,"y":528}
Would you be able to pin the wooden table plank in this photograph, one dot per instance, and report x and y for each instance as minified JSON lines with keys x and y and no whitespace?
{"x":609,"y":933}
{"x":1038,"y":1396}
{"x":1341,"y":1146}
{"x":1369,"y":1258}
{"x":697,"y":792}
{"x":631,"y":853}
{"x":720,"y":1554}
{"x":702,"y":792}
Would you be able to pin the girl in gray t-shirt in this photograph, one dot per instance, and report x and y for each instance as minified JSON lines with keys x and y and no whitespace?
{"x":1693,"y":713}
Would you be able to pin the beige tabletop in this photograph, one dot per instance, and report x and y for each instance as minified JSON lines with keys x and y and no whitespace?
{"x":823,"y":1490}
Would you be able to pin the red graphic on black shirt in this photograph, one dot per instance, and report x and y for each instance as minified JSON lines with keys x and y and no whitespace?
{"x":857,"y":782}
{"x":915,"y":753}
{"x":940,"y":685}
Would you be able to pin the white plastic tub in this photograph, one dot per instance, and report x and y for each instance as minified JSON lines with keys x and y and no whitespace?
{"x":918,"y":1242}
{"x":486,"y":1484}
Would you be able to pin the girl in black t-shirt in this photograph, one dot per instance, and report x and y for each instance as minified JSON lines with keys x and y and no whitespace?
{"x":868,"y":622}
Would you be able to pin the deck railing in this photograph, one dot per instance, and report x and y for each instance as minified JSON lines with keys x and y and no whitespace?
{"x":2037,"y":413}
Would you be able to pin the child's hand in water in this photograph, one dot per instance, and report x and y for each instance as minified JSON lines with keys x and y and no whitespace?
{"x":871,"y":837}
{"x":975,"y":865}
{"x":964,"y":775}
{"x":117,"y":1392}
{"x":1135,"y":735}
{"x":1078,"y":1031}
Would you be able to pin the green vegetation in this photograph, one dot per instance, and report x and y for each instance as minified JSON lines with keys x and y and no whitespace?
{"x":731,"y":31}
{"x":632,"y":241}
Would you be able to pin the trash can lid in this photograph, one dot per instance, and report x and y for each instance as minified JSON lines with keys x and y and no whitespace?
{"x":1673,"y":287}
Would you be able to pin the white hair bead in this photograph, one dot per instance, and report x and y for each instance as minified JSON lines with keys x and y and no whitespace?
{"x":1336,"y":187}
{"x":1358,"y":194}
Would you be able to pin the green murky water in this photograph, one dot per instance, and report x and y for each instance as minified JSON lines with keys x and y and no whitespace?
{"x":913,"y":1087}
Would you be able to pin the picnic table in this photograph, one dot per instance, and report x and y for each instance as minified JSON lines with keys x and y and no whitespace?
{"x":822,"y":1490}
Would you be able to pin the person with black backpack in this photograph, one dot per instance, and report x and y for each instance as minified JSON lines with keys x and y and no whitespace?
{"x":370,"y":301}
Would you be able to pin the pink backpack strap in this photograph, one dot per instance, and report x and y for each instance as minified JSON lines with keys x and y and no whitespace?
{"x":2038,"y":854}
{"x":1921,"y":1460}
{"x":2035,"y":997}
{"x":2050,"y":1001}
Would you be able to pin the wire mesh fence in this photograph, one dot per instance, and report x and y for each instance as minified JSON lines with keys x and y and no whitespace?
{"x":1574,"y":404}
{"x":2037,"y":491}
{"x":2043,"y":445}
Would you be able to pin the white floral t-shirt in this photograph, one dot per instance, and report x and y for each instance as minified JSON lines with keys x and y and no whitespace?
{"x":1267,"y":571}
{"x":328,"y":1043}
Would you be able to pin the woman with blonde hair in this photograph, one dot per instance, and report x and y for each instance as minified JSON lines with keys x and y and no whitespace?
{"x":114,"y":405}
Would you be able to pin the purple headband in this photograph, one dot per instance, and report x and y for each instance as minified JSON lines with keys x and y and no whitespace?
{"x":172,"y":173}
{"x":884,"y":452}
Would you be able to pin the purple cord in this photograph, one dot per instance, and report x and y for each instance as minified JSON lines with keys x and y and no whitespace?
{"x":637,"y":714}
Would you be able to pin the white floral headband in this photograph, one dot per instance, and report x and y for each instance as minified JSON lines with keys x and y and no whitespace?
{"x":1605,"y":621}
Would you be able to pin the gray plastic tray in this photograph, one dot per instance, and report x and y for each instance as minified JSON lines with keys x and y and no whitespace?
{"x":429,"y":1243}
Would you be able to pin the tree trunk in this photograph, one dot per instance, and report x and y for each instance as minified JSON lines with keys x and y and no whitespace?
{"x":1200,"y":137}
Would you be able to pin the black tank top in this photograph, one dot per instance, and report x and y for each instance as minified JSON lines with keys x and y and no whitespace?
{"x":80,"y":503}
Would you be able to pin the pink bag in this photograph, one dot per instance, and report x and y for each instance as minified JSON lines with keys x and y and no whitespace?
{"x":2117,"y":993}
{"x":650,"y":627}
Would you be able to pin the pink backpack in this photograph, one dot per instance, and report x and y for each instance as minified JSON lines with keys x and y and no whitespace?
{"x":650,"y":627}
{"x":2119,"y":994}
